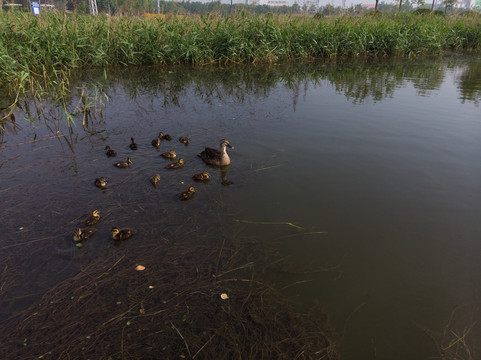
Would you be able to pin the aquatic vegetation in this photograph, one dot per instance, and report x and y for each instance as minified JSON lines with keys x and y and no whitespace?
{"x":38,"y":53}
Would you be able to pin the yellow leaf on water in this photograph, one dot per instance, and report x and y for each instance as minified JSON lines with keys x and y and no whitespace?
{"x":139,"y":268}
{"x":224,"y":296}
{"x":151,"y":286}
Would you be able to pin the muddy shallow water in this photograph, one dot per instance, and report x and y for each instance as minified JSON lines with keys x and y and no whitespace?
{"x":365,"y":174}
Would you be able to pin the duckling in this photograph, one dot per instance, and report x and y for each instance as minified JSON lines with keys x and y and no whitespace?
{"x":83,"y":234}
{"x":203,"y":176}
{"x":133,"y":145}
{"x":176,"y":165}
{"x":110,"y":152}
{"x":154,"y":179}
{"x":184,"y":140}
{"x":101,"y":182}
{"x":124,"y":164}
{"x":156,"y":142}
{"x":188,"y":194}
{"x":93,"y":219}
{"x":171,"y":154}
{"x":215,"y":157}
{"x":122,"y":234}
{"x":166,"y":137}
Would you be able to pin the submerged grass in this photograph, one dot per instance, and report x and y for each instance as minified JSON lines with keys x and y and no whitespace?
{"x":38,"y":52}
{"x":205,"y":302}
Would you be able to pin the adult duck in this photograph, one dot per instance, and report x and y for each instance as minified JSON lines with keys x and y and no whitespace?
{"x":216,"y":157}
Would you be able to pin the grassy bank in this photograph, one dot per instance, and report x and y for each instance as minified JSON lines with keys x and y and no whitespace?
{"x":36,"y":53}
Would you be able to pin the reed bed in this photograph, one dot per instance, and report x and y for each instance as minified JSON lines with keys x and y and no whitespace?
{"x":37,"y":53}
{"x":63,"y":42}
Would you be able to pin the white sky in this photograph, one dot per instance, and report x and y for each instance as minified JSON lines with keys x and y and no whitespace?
{"x":321,"y":2}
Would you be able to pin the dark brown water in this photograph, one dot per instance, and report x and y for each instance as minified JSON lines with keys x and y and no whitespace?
{"x":377,"y":164}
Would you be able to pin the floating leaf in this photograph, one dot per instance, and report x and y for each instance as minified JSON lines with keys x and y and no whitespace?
{"x":139,"y":268}
{"x":142,"y":311}
{"x":151,"y":286}
{"x":224,"y":296}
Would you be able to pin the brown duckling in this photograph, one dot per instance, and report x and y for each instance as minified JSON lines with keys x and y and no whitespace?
{"x":171,"y":154}
{"x":184,"y":140}
{"x":165,"y":136}
{"x":203,"y":176}
{"x":133,"y":145}
{"x":122,"y":234}
{"x":154,"y":179}
{"x":216,"y":157}
{"x":156,"y":141}
{"x":101,"y":182}
{"x":176,"y":165}
{"x":188,"y":194}
{"x":93,"y":219}
{"x":124,"y":164}
{"x":110,"y":152}
{"x":83,"y":234}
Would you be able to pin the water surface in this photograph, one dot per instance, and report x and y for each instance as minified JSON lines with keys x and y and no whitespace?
{"x":364,"y":174}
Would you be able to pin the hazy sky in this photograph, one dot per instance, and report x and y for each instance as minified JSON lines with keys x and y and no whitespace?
{"x":321,"y":2}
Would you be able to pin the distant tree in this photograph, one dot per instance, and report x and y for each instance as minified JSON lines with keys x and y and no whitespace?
{"x":448,"y":4}
{"x":417,"y":2}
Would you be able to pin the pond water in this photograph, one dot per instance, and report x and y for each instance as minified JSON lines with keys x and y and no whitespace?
{"x":365,"y":174}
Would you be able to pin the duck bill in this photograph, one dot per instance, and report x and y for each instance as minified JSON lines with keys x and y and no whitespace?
{"x":230,"y":146}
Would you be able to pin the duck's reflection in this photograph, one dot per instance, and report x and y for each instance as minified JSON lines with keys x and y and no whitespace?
{"x":223,"y":175}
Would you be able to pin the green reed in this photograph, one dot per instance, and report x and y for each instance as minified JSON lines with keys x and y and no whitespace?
{"x":37,"y":53}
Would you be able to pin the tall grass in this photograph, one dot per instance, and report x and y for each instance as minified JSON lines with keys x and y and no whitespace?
{"x":37,"y":53}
